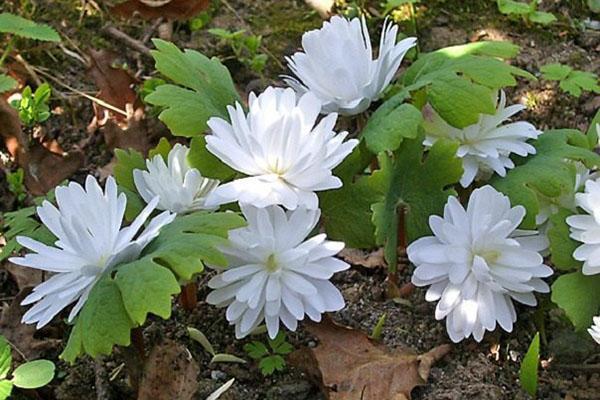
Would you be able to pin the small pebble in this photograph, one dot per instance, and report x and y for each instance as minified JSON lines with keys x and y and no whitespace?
{"x":218,"y":375}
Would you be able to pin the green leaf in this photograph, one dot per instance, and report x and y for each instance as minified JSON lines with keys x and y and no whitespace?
{"x":415,"y":188}
{"x":555,"y":71}
{"x":10,"y":23}
{"x":347,"y":221}
{"x":5,"y":389}
{"x":163,"y":148}
{"x":210,"y":89}
{"x":499,"y":49}
{"x":594,"y":5}
{"x":279,"y":345}
{"x":256,"y":350}
{"x":540,"y":17}
{"x":206,"y":162}
{"x":146,"y":287}
{"x":593,"y":131}
{"x":460,"y":102}
{"x":226,"y":358}
{"x":127,"y":161}
{"x":579,"y":296}
{"x":510,"y":7}
{"x":201,"y":338}
{"x":386,"y":128}
{"x":528,"y":373}
{"x":5,"y":357}
{"x":550,"y":172}
{"x":33,"y":374}
{"x":268,"y":365}
{"x":561,"y":244}
{"x":7,"y":83}
{"x":102,"y":323}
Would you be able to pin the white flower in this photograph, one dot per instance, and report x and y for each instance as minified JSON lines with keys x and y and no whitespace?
{"x":90,"y":242}
{"x":485,"y":147}
{"x":180,"y":188}
{"x":337,"y":64}
{"x":586,"y":228}
{"x":274,"y":274}
{"x":478,"y":262}
{"x":595,"y":329}
{"x":277,"y":144}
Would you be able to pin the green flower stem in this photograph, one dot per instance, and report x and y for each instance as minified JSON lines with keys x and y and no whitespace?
{"x":7,"y":50}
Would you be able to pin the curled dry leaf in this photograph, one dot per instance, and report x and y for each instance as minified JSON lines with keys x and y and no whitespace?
{"x":115,"y":85}
{"x":349,"y":366}
{"x":363,"y":258}
{"x":21,"y":336}
{"x":170,"y":372}
{"x":45,"y":164}
{"x":149,"y":9}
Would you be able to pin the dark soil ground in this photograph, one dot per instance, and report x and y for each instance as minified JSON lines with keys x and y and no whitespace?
{"x":488,"y":370}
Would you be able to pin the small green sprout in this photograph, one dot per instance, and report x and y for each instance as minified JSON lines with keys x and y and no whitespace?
{"x":16,"y":185}
{"x":271,"y":359}
{"x":378,"y":330}
{"x":528,"y":373}
{"x":527,"y":11}
{"x":570,"y":80}
{"x":245,"y":47}
{"x":201,"y":338}
{"x":30,"y":375}
{"x":33,"y":106}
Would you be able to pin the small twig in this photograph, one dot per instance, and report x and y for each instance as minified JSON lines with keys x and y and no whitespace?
{"x":29,"y":69}
{"x":79,"y":92}
{"x":151,"y":29}
{"x":130,"y":42}
{"x":16,"y":349}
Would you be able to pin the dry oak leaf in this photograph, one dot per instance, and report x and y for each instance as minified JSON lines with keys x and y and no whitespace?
{"x":170,"y":373}
{"x":21,"y":336}
{"x":349,"y":366}
{"x":181,"y":10}
{"x":363,"y":258}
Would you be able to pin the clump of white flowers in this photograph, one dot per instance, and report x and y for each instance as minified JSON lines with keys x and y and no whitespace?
{"x":477,"y":262}
{"x":485,"y":147}
{"x":286,"y":154}
{"x":274,"y":274}
{"x":594,"y":331}
{"x":179,"y":187}
{"x":90,"y":243}
{"x":337,"y":64}
{"x":586,"y":228}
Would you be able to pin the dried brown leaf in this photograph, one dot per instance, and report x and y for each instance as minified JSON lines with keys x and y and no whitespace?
{"x":21,"y":336}
{"x":372,"y":259}
{"x":170,"y":372}
{"x":23,"y":276}
{"x":349,"y":366}
{"x":149,"y":9}
{"x":115,"y":85}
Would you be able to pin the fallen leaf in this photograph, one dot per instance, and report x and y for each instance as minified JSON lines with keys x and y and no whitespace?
{"x":181,"y":10}
{"x":367,"y":259}
{"x":170,"y":372}
{"x":45,"y":164}
{"x":349,"y":366}
{"x":115,"y":85}
{"x":24,"y":277}
{"x":21,"y":336}
{"x":135,"y":135}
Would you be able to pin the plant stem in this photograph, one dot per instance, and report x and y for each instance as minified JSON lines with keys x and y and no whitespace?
{"x":189,"y":296}
{"x":134,"y":357}
{"x":392,"y":278}
{"x":7,"y":50}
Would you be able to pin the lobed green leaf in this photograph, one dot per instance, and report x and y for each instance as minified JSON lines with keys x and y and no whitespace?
{"x":10,"y":23}
{"x":579,"y":296}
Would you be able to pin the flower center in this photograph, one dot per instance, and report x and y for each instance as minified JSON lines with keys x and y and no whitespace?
{"x":271,"y":264}
{"x":277,"y":167}
{"x":490,"y":256}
